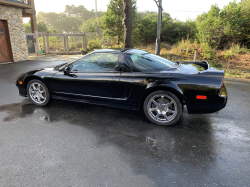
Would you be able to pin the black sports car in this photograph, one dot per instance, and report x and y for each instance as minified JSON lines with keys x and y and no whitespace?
{"x":130,"y":79}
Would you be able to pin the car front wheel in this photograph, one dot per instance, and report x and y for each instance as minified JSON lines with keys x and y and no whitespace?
{"x":162,"y":108}
{"x":38,"y":93}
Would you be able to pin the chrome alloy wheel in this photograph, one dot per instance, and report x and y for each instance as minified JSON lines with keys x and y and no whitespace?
{"x":162,"y":108}
{"x":37,"y":93}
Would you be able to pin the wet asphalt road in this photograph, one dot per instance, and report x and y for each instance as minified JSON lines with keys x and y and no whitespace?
{"x":69,"y":144}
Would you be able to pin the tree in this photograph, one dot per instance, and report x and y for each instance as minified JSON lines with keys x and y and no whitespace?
{"x":81,"y":12}
{"x":112,"y":20}
{"x":128,"y":24}
{"x":42,"y":27}
{"x":245,"y":21}
{"x":221,"y":27}
{"x":69,"y":21}
{"x":90,"y":25}
{"x":146,"y":29}
{"x":211,"y":26}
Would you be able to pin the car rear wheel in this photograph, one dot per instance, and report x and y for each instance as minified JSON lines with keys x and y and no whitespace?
{"x":38,"y":93}
{"x":162,"y":108}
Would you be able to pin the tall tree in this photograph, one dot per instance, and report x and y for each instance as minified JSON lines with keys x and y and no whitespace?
{"x":68,"y":21}
{"x":112,"y":20}
{"x":211,"y":26}
{"x":128,"y":23}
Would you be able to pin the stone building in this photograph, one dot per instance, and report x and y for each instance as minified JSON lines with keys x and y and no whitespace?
{"x":13,"y":43}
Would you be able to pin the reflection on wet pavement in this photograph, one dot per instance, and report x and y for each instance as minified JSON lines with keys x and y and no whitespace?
{"x":200,"y":149}
{"x":70,"y":144}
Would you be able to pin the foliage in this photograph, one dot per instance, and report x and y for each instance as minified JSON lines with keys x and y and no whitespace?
{"x":211,"y":26}
{"x":112,"y":20}
{"x":90,"y":25}
{"x":42,"y":27}
{"x":238,"y":49}
{"x":220,"y":27}
{"x":172,"y":29}
{"x":72,"y":46}
{"x":81,"y":12}
{"x":94,"y":44}
{"x":208,"y":52}
{"x":69,"y":21}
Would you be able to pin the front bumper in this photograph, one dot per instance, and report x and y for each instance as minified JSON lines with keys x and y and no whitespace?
{"x":21,"y":89}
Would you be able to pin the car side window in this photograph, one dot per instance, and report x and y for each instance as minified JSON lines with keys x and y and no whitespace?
{"x":96,"y":62}
{"x":148,"y":62}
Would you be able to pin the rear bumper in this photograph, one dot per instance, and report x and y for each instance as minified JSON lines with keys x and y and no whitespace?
{"x":219,"y":102}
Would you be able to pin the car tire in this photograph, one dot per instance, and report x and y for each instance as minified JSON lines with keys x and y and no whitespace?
{"x":38,"y":93}
{"x":163,"y":108}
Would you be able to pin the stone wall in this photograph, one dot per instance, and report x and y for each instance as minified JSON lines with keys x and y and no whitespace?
{"x":16,"y":30}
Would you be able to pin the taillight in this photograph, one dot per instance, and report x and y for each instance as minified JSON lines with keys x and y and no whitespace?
{"x":201,"y":97}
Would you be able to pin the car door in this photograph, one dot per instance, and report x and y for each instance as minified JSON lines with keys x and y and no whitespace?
{"x":131,"y":83}
{"x":92,"y":77}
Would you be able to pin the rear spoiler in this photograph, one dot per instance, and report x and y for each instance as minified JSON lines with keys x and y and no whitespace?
{"x":203,"y":63}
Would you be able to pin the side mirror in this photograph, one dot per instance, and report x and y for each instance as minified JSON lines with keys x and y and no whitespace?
{"x":67,"y":71}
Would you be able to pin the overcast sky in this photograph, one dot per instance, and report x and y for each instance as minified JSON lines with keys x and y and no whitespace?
{"x":180,"y":9}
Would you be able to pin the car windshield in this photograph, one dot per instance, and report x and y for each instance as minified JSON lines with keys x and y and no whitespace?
{"x":61,"y":67}
{"x":148,"y":62}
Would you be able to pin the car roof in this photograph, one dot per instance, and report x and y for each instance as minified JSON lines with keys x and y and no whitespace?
{"x":104,"y":51}
{"x":128,"y":51}
{"x":135,"y":51}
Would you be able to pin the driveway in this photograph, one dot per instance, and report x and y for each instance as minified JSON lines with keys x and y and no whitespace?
{"x":71,"y":144}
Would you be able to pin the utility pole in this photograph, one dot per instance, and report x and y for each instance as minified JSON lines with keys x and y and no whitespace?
{"x":98,"y":29}
{"x":158,"y":40}
{"x":95,"y":9}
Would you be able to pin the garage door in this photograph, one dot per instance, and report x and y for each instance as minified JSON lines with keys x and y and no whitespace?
{"x":4,"y":43}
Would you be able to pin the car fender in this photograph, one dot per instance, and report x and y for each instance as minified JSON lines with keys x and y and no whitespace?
{"x":166,"y":87}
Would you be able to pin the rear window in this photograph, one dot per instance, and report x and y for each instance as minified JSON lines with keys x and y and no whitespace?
{"x":149,"y":62}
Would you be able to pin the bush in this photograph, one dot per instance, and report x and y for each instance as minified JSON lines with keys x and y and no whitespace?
{"x":83,"y":51}
{"x":228,"y":54}
{"x":94,"y":44}
{"x":236,"y":48}
{"x":79,"y":45}
{"x":208,"y":52}
{"x":166,"y":46}
{"x":72,"y":46}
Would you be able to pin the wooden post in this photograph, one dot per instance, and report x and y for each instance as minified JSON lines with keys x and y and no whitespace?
{"x":33,"y":18}
{"x":37,"y":46}
{"x":67,"y":44}
{"x":47,"y":40}
{"x":33,"y":23}
{"x":195,"y":54}
{"x":44,"y":43}
{"x":83,"y":42}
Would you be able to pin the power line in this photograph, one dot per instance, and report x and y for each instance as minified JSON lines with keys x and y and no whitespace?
{"x":185,"y":11}
{"x":174,"y":11}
